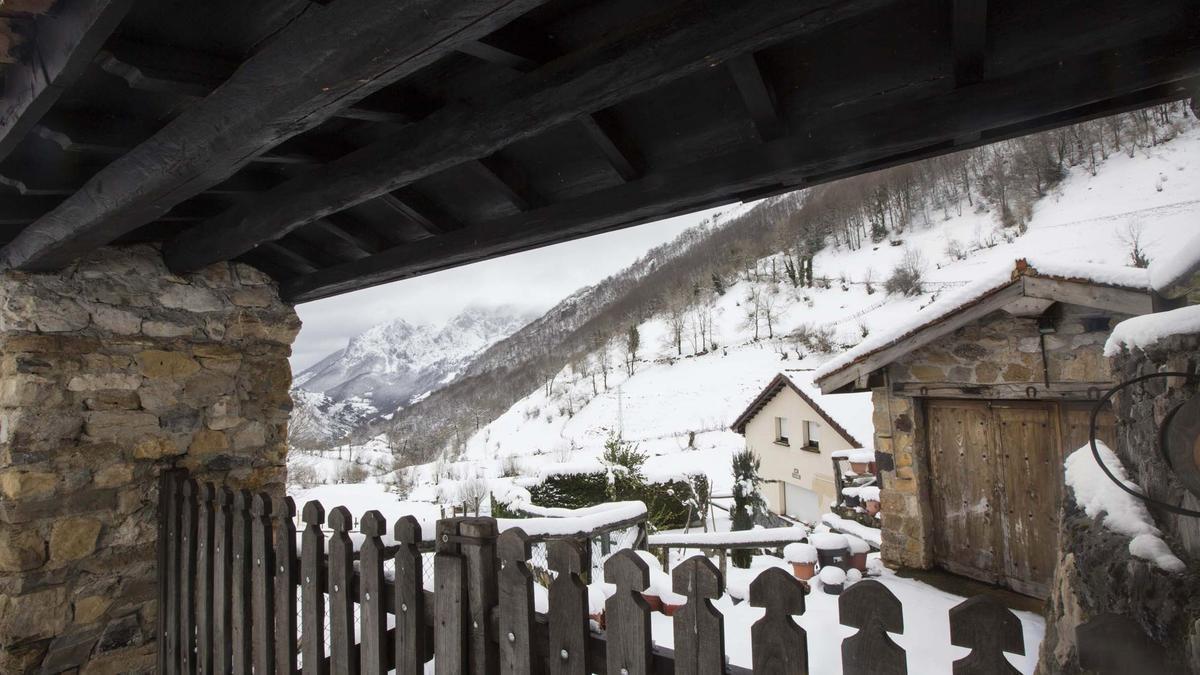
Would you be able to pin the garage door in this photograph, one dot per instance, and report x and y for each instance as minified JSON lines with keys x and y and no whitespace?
{"x":801,"y":504}
{"x":996,"y":486}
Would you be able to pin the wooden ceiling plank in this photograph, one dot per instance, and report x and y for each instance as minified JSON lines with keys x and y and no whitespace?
{"x":596,"y":78}
{"x":67,"y":42}
{"x":969,"y":33}
{"x":507,"y":179}
{"x":277,"y":93}
{"x":616,"y":147}
{"x":757,"y":96}
{"x":501,"y":57}
{"x":918,"y":130}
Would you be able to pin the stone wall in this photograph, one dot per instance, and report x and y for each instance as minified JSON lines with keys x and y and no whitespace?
{"x":1000,"y":355}
{"x":110,"y":372}
{"x":1095,"y":572}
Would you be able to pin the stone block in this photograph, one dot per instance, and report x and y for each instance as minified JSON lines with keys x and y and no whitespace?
{"x":113,"y":400}
{"x":257,"y":296}
{"x":927,"y":373}
{"x":73,"y":538}
{"x":166,"y":329}
{"x":21,"y":549}
{"x":250,"y":435}
{"x":120,"y":426}
{"x":208,"y":442}
{"x":191,"y":298}
{"x":28,"y":484}
{"x":59,"y":315}
{"x":154,"y":447}
{"x":163,"y":364}
{"x":40,"y":614}
{"x":986,"y":373}
{"x":114,"y":475}
{"x":116,"y":321}
{"x":95,"y":382}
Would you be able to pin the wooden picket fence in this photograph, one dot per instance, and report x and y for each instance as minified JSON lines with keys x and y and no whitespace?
{"x":231,"y":580}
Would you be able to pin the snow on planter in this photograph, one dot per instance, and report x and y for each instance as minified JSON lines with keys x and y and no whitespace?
{"x":1145,"y":331}
{"x":829,"y":541}
{"x":857,"y":545}
{"x":853,"y":576}
{"x":833,"y":579}
{"x":800,"y":553}
{"x":869,"y":493}
{"x":869,"y":534}
{"x":1122,"y":512}
{"x":860,"y":455}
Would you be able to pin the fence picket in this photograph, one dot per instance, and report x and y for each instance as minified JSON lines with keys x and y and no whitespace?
{"x":989,"y":629}
{"x":870,"y":607}
{"x":373,"y":614}
{"x":568,"y":639}
{"x":222,"y":582}
{"x":204,"y":578}
{"x":286,"y":570}
{"x":699,"y":627}
{"x":779,"y":644}
{"x":342,"y":658}
{"x":480,"y":556}
{"x":240,"y":585}
{"x":449,"y":607}
{"x":187,"y":578}
{"x":516,"y":605}
{"x":262,"y":603}
{"x":627,"y":615}
{"x":410,"y":598}
{"x":312,"y":594}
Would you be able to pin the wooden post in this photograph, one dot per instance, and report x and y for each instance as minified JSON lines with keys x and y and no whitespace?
{"x":627,"y":615}
{"x":286,"y":577}
{"x":410,"y":598}
{"x":699,"y":628}
{"x":870,"y":607}
{"x":568,"y":640}
{"x":373,"y":616}
{"x":168,"y":571}
{"x":342,"y":658}
{"x":204,"y":578}
{"x":262,"y":584}
{"x":312,"y":590}
{"x":187,"y":579}
{"x":989,"y":629}
{"x":515,"y":591}
{"x":240,"y":587}
{"x":449,"y":611}
{"x":222,"y":582}
{"x":779,"y":644}
{"x":480,"y":555}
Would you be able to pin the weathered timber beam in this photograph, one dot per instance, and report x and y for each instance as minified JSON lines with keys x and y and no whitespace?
{"x":499,"y":56}
{"x":969,"y":33}
{"x":506,"y":179}
{"x":595,"y":78}
{"x":67,"y":40}
{"x":323,"y":62}
{"x":607,"y":137}
{"x":757,"y":96}
{"x":421,"y":210}
{"x":1000,"y":108}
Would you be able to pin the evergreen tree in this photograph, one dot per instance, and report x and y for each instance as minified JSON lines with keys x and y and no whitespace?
{"x":717,"y":284}
{"x":747,"y":503}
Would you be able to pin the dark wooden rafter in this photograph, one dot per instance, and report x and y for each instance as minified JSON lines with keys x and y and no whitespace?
{"x":969,"y":34}
{"x":279,"y":92}
{"x":518,"y":46}
{"x":618,"y":150}
{"x":756,"y":94}
{"x":419,"y":211}
{"x":505,"y":178}
{"x":679,"y":44}
{"x":990,"y":111}
{"x":67,"y":41}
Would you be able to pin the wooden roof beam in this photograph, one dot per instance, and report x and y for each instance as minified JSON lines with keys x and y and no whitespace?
{"x":757,"y":97}
{"x":419,"y":210}
{"x":655,"y":53}
{"x":969,"y":34}
{"x":1001,"y":108}
{"x":67,"y":40}
{"x":277,"y":93}
{"x":508,"y":180}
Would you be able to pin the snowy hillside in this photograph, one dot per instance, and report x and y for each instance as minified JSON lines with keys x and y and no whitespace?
{"x":391,"y":366}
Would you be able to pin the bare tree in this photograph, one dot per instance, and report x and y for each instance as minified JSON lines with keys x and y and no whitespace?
{"x":471,"y":493}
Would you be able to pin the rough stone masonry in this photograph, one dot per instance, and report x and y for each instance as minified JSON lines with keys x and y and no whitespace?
{"x":110,"y":372}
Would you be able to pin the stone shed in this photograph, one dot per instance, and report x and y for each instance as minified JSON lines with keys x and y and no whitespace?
{"x":976,"y":399}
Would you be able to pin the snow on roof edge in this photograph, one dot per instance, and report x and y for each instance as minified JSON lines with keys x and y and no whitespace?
{"x":1107,"y":275}
{"x":1177,"y":267}
{"x":1142,"y":332}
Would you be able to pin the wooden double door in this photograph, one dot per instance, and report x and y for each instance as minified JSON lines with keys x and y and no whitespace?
{"x":996,"y":484}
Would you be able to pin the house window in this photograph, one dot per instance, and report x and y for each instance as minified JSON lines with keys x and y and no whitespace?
{"x":781,"y":430}
{"x":812,"y":434}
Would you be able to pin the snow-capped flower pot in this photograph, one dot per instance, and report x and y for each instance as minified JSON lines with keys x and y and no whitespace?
{"x":803,"y":558}
{"x":833,"y":580}
{"x":672,"y":602}
{"x":870,"y":498}
{"x":872,"y":506}
{"x":832,"y":549}
{"x":654,"y":601}
{"x":860,"y":468}
{"x":853,"y":576}
{"x":858,"y":553}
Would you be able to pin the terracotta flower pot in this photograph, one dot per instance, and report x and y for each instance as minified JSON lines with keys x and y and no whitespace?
{"x":805,"y":571}
{"x":860,"y":467}
{"x":872,"y":507}
{"x":654,"y":601}
{"x":598,"y":618}
{"x":858,"y":561}
{"x":670,"y":609}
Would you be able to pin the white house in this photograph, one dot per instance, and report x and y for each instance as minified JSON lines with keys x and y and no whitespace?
{"x":794,"y":430}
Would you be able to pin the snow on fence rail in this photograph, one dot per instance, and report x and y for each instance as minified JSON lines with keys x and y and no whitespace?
{"x":229,"y":573}
{"x":763,"y":537}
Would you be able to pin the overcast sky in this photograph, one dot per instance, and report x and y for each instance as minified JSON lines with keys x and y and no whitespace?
{"x":534,"y":279}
